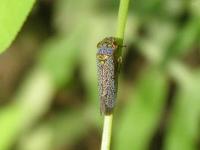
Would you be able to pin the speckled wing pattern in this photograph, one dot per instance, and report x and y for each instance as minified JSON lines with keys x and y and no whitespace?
{"x":107,"y":71}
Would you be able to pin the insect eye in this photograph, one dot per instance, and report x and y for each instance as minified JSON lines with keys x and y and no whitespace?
{"x":98,"y":44}
{"x":114,"y":45}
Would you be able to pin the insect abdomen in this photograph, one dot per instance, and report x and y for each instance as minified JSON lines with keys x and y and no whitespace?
{"x":107,"y":85}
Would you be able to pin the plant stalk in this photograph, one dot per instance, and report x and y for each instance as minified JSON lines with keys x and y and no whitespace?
{"x":107,"y":132}
{"x":122,"y":18}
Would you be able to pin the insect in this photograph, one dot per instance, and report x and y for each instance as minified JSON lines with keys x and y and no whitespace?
{"x":108,"y":66}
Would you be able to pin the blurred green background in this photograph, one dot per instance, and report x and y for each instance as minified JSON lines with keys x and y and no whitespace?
{"x":48,"y":80}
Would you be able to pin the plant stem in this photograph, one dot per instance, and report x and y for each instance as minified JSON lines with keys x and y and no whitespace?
{"x":122,"y":17}
{"x":107,"y":129}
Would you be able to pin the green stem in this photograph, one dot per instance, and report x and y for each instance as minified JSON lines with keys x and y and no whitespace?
{"x":122,"y":18}
{"x":107,"y":131}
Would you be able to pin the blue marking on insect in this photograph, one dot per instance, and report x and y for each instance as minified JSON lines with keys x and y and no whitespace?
{"x":107,"y":69}
{"x":106,"y":51}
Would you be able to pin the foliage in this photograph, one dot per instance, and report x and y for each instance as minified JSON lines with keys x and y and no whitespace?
{"x":158,"y":99}
{"x":12,"y":16}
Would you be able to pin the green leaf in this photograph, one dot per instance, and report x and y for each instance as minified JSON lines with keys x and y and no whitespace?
{"x":186,"y":38}
{"x":12,"y":16}
{"x":35,"y":92}
{"x":183,"y":127}
{"x":142,"y":113}
{"x":64,"y":48}
{"x":10,"y":118}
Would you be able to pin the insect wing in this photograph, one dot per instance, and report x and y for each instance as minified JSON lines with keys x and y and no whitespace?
{"x":107,"y":83}
{"x":107,"y":70}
